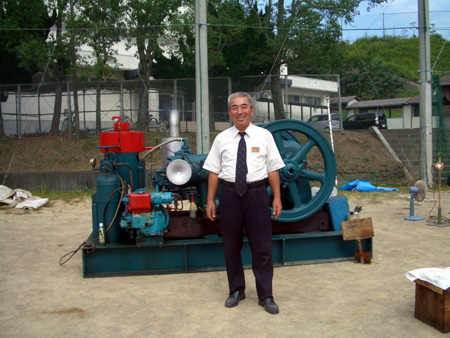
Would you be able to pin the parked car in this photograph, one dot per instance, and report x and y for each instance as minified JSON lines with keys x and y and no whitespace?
{"x":365,"y":120}
{"x":320,"y":121}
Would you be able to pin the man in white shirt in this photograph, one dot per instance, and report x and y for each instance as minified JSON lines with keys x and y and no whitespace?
{"x":248,"y":205}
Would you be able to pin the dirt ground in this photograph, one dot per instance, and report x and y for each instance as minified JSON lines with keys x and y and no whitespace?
{"x":40,"y":298}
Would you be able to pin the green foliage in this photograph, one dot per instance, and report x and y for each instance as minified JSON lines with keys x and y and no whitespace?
{"x":224,"y":37}
{"x":244,"y":39}
{"x":24,"y":22}
{"x":440,"y":53}
{"x":376,"y":67}
{"x":91,"y":16}
{"x":146,"y":22}
{"x":373,"y":80}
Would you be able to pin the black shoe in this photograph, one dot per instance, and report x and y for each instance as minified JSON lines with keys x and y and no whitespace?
{"x":234,"y":298}
{"x":270,"y":305}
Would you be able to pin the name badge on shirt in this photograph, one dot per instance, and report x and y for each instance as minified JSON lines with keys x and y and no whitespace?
{"x":255,"y":149}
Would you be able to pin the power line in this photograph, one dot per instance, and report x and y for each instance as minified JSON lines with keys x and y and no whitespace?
{"x":219,"y":25}
{"x":415,"y":12}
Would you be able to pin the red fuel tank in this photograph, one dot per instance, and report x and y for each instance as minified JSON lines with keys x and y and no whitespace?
{"x":122,"y":140}
{"x":139,"y":202}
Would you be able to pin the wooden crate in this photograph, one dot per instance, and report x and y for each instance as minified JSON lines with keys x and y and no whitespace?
{"x":432,"y":305}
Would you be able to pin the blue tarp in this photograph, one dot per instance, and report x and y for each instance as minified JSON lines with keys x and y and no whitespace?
{"x":363,"y":186}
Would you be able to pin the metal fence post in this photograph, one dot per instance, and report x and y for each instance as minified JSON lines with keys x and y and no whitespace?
{"x":121,"y":100}
{"x":19,"y":112}
{"x":175,"y":95}
{"x":70,"y":109}
{"x":286,"y":101}
{"x":39,"y":113}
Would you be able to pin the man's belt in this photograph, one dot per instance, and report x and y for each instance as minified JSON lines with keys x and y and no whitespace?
{"x":250,"y":185}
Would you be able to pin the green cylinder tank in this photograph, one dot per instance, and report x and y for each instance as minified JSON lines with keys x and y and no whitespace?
{"x":105,"y":202}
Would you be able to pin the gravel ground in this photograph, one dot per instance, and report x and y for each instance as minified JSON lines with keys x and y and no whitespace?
{"x":39,"y":298}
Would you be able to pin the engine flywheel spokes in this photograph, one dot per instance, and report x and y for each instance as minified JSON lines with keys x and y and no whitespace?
{"x":297,"y":140}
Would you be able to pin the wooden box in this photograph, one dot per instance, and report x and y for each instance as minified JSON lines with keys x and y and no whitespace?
{"x":432,"y":305}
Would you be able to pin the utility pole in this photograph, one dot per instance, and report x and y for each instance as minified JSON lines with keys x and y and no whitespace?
{"x":425,"y":107}
{"x":201,"y":78}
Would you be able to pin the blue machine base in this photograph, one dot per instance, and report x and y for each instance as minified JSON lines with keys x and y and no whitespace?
{"x":414,"y":218}
{"x":196,"y":255}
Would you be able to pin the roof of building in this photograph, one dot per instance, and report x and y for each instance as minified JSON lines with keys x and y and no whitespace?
{"x":380,"y":103}
{"x":344,"y":99}
{"x":414,"y":100}
{"x":445,"y":80}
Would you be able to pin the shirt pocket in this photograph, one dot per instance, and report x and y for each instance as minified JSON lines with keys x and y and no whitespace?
{"x":256,"y":154}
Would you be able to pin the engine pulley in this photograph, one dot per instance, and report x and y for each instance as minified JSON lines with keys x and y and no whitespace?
{"x":296,"y":141}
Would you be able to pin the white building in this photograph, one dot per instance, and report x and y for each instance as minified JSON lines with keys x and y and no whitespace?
{"x":29,"y":109}
{"x":302,"y":96}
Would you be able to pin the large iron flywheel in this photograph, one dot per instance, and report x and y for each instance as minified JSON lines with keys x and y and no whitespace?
{"x":297,"y":141}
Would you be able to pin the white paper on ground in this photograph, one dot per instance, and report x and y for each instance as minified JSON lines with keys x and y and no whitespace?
{"x":20,"y":199}
{"x":439,"y":277}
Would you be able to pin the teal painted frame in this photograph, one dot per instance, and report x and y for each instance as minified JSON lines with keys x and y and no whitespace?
{"x":197,"y":255}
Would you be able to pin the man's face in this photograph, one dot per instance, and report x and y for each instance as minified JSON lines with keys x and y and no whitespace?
{"x":241,"y":112}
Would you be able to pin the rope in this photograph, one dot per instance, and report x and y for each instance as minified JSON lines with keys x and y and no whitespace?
{"x":10,"y":162}
{"x":87,"y":244}
{"x":439,"y":55}
{"x":281,"y":48}
{"x":20,"y":131}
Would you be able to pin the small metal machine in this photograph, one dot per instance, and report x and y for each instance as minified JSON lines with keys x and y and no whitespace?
{"x":153,"y":232}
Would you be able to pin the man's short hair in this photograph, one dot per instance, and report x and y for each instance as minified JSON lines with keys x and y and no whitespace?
{"x":240,"y":94}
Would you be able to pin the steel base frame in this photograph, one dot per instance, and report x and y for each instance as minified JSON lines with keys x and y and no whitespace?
{"x":200,"y":255}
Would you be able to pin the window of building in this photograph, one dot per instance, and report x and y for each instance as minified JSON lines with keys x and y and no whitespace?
{"x":294,"y":98}
{"x":306,"y":100}
{"x":311,"y":100}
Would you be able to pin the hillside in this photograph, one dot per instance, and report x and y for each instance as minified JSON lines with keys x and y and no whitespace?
{"x":359,"y":155}
{"x":387,"y":67}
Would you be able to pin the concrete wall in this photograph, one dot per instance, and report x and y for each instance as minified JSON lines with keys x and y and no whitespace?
{"x":55,"y":181}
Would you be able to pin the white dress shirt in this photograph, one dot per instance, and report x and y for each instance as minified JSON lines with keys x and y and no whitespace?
{"x":262,"y":154}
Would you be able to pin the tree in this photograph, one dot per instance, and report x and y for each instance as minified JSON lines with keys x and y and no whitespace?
{"x":50,"y":56}
{"x":223,"y":36}
{"x":372,"y":81}
{"x":303,"y":35}
{"x":100,"y":20}
{"x":59,"y":64}
{"x":22,"y":22}
{"x":374,"y":65}
{"x":147,"y":21}
{"x":74,"y":41}
{"x":234,"y":49}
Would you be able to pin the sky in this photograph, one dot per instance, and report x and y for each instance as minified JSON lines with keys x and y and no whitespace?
{"x":399,"y":17}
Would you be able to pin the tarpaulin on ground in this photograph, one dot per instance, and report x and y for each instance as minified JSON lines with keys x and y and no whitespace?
{"x":20,"y":199}
{"x":363,"y":186}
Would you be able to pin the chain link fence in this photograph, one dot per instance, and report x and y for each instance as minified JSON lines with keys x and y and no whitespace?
{"x":29,"y":108}
{"x":441,"y":133}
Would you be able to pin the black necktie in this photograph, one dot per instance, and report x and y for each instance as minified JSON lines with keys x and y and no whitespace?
{"x":241,"y":167}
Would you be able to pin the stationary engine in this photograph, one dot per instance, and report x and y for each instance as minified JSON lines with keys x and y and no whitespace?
{"x":184,"y":176}
{"x":155,"y":231}
{"x":127,"y":210}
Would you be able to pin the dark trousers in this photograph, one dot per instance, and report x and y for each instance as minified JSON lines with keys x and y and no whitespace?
{"x":251,"y":211}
